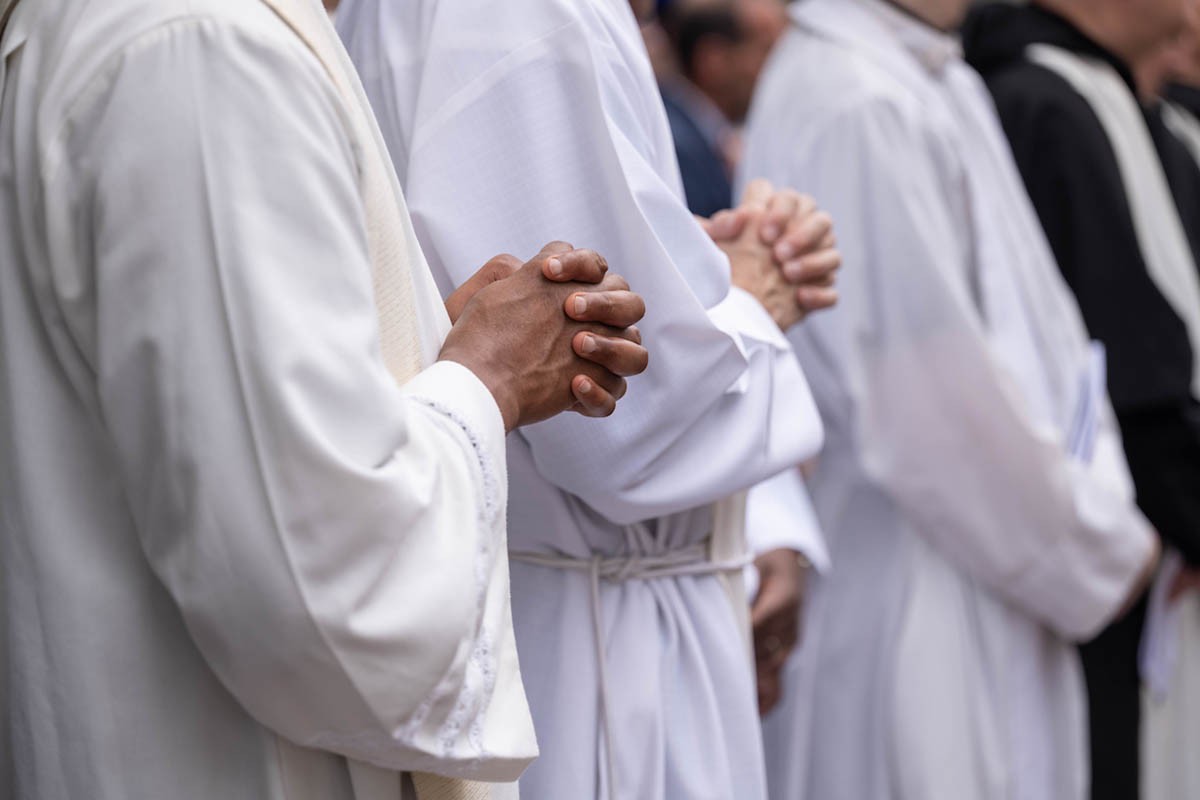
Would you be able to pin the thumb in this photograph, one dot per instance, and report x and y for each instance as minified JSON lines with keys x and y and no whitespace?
{"x":757,"y":193}
{"x":725,"y":225}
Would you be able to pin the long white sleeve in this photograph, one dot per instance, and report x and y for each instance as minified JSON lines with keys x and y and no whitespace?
{"x":552,"y":128}
{"x":779,"y":514}
{"x":937,"y":419}
{"x":334,"y":543}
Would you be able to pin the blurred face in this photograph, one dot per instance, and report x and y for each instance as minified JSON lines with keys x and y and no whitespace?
{"x":728,"y":71}
{"x":764,"y":22}
{"x":1184,"y":64}
{"x":1151,"y":24}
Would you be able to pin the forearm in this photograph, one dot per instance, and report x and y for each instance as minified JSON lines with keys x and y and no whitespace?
{"x":661,"y":457}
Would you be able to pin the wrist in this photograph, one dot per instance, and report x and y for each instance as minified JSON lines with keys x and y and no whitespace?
{"x":496,"y":383}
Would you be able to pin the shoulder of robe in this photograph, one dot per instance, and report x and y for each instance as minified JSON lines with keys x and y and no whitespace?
{"x":844,"y":88}
{"x":1029,"y":93}
{"x":1050,"y":126}
{"x":80,"y":43}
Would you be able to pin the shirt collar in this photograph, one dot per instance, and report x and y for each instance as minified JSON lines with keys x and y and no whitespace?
{"x":933,"y":48}
{"x":881,"y":26}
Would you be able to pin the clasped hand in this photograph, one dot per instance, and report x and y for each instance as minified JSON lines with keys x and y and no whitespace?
{"x":554,"y":334}
{"x":781,"y":249}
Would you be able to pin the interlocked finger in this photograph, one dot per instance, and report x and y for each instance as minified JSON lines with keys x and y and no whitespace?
{"x":804,"y":235}
{"x":618,"y":309}
{"x":813,"y":298}
{"x":812,"y":268}
{"x":583,"y":266}
{"x":596,"y":397}
{"x":783,"y":209}
{"x":619,"y":356}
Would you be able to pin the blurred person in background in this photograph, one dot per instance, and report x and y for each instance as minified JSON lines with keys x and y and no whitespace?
{"x":1117,"y":194}
{"x":720,"y":48}
{"x":641,"y":681}
{"x":1171,"y":706}
{"x":973,"y":490}
{"x":1181,"y":78}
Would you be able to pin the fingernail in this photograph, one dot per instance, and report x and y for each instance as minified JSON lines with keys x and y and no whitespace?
{"x":556,"y":267}
{"x":771,"y":231}
{"x":589,"y":344}
{"x":784,"y":251}
{"x":580,"y":304}
{"x":585,"y":386}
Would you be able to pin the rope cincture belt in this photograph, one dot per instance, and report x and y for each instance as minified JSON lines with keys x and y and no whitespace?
{"x":691,"y":560}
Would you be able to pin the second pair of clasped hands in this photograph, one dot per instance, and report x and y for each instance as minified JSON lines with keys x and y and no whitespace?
{"x":559,"y":332}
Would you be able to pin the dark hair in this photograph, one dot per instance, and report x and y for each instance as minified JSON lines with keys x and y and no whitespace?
{"x":688,"y":27}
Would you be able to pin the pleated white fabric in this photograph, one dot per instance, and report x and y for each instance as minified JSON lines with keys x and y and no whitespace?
{"x":974,"y":532}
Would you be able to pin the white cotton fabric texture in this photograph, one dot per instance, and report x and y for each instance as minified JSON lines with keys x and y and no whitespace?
{"x":519,"y":122}
{"x":970,"y":549}
{"x":235,"y":552}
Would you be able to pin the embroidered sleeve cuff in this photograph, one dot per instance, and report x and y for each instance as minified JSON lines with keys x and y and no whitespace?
{"x":455,"y":392}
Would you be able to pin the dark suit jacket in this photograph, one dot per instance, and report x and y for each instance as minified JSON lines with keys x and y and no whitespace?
{"x":705,"y":179}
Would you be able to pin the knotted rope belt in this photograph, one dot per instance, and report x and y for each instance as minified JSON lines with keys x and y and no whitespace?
{"x":691,"y":560}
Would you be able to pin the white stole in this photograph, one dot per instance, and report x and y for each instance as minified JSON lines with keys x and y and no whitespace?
{"x":728,"y":545}
{"x":394,"y":255}
{"x":1160,"y":233}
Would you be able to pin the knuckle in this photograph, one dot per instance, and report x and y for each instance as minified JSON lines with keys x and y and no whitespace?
{"x":606,"y":308}
{"x":505,"y":263}
{"x":614,"y":283}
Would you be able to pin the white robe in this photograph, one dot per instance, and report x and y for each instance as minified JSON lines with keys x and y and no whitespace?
{"x":539,"y":119}
{"x":234,"y":550}
{"x":953,"y":378}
